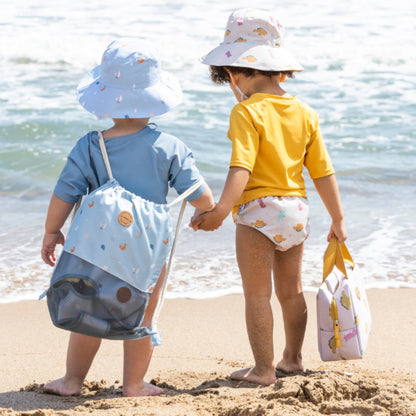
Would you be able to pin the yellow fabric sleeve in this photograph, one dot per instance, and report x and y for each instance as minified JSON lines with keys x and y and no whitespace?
{"x":274,"y":138}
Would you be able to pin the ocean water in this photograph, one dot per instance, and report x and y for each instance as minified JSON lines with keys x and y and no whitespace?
{"x":360,"y":75}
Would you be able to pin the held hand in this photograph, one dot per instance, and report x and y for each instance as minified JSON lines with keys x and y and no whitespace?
{"x":197,"y":213}
{"x":208,"y":221}
{"x":48,"y":247}
{"x":338,"y":230}
{"x":195,"y":218}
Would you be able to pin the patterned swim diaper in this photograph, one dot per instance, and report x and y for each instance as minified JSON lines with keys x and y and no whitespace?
{"x":284,"y":220}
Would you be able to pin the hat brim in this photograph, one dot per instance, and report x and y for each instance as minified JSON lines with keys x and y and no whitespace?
{"x":251,"y":55}
{"x":105,"y":101}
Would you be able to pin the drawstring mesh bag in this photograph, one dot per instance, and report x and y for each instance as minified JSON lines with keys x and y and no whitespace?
{"x":113,"y":255}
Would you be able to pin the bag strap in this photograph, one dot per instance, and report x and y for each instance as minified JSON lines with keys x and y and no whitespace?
{"x":105,"y":155}
{"x":337,"y":255}
{"x":107,"y":165}
{"x":180,"y":198}
{"x":188,"y":192}
{"x":168,"y":268}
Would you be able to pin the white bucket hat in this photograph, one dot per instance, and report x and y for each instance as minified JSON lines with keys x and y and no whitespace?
{"x":253,"y":39}
{"x":129,"y":83}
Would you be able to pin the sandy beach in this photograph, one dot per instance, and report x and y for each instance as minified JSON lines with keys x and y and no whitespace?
{"x":204,"y":341}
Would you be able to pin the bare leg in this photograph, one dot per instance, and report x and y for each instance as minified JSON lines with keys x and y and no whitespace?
{"x":80,"y":354}
{"x":288,"y":286}
{"x":138,"y":352}
{"x":255,"y":256}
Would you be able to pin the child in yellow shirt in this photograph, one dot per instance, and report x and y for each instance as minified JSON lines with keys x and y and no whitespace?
{"x":273,"y":136}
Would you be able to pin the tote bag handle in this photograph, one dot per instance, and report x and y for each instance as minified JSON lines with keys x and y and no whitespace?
{"x":337,"y":255}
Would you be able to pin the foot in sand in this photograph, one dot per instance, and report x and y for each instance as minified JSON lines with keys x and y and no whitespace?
{"x":286,"y":366}
{"x":63,"y":387}
{"x":251,"y":375}
{"x":144,"y":389}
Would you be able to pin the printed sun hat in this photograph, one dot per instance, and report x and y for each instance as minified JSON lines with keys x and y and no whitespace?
{"x":129,"y":83}
{"x":253,"y":39}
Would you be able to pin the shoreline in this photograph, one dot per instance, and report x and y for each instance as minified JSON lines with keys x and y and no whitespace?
{"x":203,"y":342}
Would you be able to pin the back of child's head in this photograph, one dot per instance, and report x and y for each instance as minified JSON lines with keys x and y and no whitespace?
{"x":253,"y":44}
{"x":129,"y":83}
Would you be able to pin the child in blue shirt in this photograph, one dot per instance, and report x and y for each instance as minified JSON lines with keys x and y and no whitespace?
{"x":130,"y":87}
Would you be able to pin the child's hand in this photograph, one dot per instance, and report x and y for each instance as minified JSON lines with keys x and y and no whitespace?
{"x":207,"y":221}
{"x":338,"y":230}
{"x":48,"y":246}
{"x":197,"y":213}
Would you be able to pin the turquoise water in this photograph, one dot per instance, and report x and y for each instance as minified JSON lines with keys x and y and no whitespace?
{"x":360,"y":75}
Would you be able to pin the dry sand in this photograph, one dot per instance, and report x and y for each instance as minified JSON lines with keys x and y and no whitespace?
{"x":204,"y":341}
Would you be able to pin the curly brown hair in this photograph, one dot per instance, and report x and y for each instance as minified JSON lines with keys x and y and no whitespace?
{"x":219,"y":74}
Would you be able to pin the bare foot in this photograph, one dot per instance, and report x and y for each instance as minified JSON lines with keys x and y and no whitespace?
{"x":63,"y":387}
{"x":287,"y":366}
{"x":145,"y":389}
{"x":250,"y":374}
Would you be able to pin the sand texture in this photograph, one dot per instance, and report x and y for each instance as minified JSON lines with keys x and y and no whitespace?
{"x":204,"y":341}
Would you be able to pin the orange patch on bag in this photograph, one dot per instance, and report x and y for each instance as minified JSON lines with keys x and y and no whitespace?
{"x":125,"y":218}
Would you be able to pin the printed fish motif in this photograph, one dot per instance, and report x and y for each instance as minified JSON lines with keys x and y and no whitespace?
{"x":298,"y":227}
{"x":91,"y":204}
{"x":260,"y":31}
{"x":123,"y":247}
{"x":279,"y":238}
{"x":250,"y":58}
{"x":333,"y":345}
{"x":345,"y":300}
{"x":258,"y":224}
{"x":165,"y":242}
